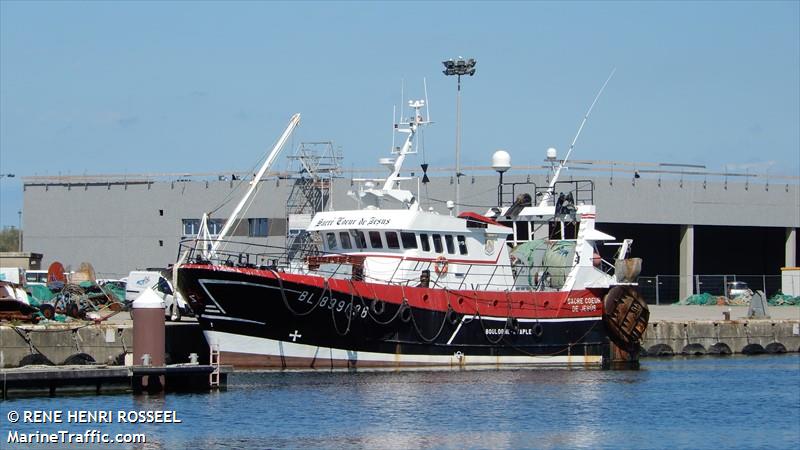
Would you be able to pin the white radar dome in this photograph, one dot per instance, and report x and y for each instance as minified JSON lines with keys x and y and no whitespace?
{"x":501,"y":161}
{"x":552,"y":153}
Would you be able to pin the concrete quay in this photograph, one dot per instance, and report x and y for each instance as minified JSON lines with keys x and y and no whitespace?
{"x":672,"y":329}
{"x":106,"y":342}
{"x":699,"y":330}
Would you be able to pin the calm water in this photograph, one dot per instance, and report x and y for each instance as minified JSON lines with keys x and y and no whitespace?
{"x":737,"y":402}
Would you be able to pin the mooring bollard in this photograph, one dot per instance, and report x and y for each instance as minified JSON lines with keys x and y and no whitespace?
{"x":148,"y":336}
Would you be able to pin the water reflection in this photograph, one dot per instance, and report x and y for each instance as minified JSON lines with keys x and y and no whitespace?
{"x":699,"y":403}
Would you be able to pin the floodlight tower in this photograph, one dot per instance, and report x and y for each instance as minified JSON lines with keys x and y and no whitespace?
{"x":459,"y":67}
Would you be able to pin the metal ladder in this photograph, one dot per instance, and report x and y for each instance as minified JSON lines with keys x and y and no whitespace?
{"x":213,"y":377}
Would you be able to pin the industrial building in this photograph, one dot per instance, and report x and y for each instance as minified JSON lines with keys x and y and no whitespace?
{"x":693,"y":228}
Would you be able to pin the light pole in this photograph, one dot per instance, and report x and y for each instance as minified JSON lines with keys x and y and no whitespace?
{"x":459,"y":67}
{"x":19,"y":230}
{"x":11,"y":175}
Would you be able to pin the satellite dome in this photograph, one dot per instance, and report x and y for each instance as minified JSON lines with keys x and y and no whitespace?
{"x":501,"y":161}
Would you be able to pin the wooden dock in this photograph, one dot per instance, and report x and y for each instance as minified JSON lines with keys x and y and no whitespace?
{"x":102,"y":379}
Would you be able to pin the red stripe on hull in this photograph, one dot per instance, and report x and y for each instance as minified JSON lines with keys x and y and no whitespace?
{"x":542,"y":305}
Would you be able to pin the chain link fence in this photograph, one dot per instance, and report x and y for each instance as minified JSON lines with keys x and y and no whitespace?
{"x":664,"y":289}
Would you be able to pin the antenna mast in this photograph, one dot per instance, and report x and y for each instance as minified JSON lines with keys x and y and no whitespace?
{"x":551,"y":189}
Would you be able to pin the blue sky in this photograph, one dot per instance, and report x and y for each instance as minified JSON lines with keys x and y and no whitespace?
{"x":129,"y":87}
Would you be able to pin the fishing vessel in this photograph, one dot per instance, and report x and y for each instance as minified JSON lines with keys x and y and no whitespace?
{"x":392,"y":284}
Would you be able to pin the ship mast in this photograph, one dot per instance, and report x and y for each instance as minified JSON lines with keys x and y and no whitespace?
{"x":391,"y":184}
{"x":411,"y":130}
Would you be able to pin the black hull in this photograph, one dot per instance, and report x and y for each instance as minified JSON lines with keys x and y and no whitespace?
{"x":271,"y":322}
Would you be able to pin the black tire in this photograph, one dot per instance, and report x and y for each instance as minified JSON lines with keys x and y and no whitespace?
{"x":775,"y":347}
{"x":694,"y":350}
{"x":377,"y":306}
{"x":119,"y":360}
{"x":661,"y":350}
{"x":405,"y":313}
{"x":753,"y":349}
{"x":73,"y":311}
{"x":35,"y":359}
{"x":719,"y":349}
{"x":48,"y":311}
{"x":537,"y":330}
{"x":80,"y":359}
{"x":452,"y":316}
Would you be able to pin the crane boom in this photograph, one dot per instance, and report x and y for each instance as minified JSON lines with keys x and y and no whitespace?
{"x":273,"y":155}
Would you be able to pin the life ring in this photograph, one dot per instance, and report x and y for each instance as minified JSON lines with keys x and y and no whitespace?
{"x":440,"y":266}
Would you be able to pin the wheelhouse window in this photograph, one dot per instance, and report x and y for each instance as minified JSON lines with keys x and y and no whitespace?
{"x":331,"y":237}
{"x":426,"y":245}
{"x":375,"y":239}
{"x":257,"y":227}
{"x":409,"y":240}
{"x":462,"y":245}
{"x":391,"y":240}
{"x":361,"y":241}
{"x":451,"y":248}
{"x":344,"y":236}
{"x":437,"y":243}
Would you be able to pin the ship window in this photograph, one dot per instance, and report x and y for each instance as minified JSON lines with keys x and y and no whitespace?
{"x":391,"y":240}
{"x":475,"y":224}
{"x":361,"y":241}
{"x":409,"y":239}
{"x":426,"y":245}
{"x":462,"y":245}
{"x":448,"y":240}
{"x":331,"y":241}
{"x":437,"y":243}
{"x":257,"y":227}
{"x":344,"y":236}
{"x":375,"y":239}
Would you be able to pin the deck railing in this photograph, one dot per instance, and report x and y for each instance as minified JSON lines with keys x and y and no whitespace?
{"x":339,"y":265}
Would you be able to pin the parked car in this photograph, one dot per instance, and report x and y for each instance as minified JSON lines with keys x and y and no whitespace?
{"x":36,"y":277}
{"x":174,"y":305}
{"x":736,"y":288}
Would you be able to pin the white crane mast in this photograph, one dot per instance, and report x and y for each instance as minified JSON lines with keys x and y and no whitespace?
{"x":273,"y":155}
